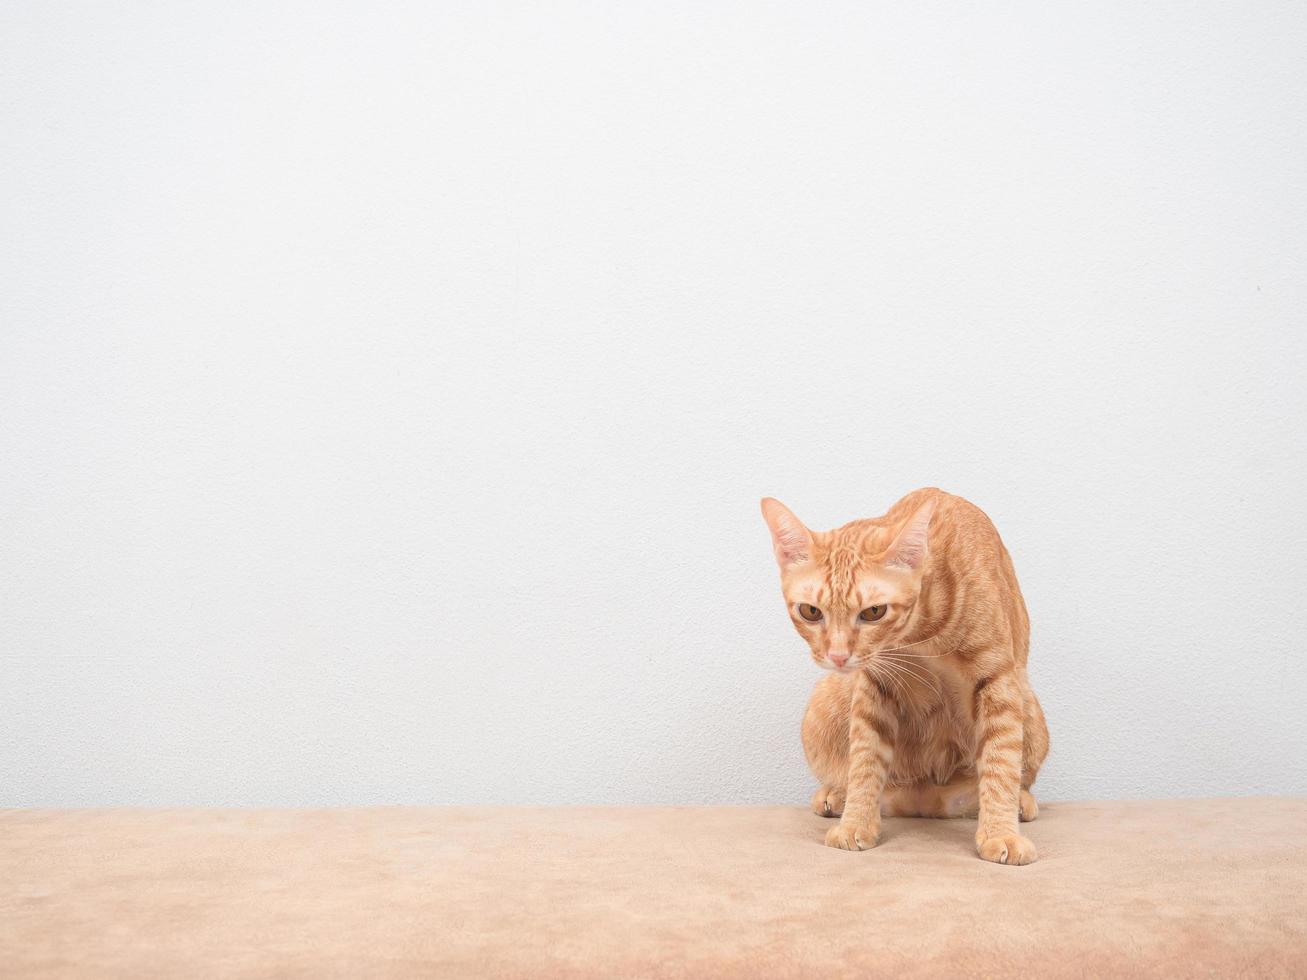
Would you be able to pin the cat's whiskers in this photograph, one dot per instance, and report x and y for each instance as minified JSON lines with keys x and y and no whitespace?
{"x":923,"y":656}
{"x":921,"y":674}
{"x":905,"y":674}
{"x":913,"y":643}
{"x":897,"y":678}
{"x":876,"y":671}
{"x":894,"y":675}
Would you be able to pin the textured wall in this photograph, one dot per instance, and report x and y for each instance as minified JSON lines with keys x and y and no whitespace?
{"x":386,"y":391}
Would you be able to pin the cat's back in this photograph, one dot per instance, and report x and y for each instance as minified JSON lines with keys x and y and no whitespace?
{"x":958,"y":524}
{"x":968,"y":555}
{"x":964,"y":543}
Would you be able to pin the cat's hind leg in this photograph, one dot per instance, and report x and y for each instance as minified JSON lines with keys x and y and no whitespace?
{"x":956,"y":798}
{"x":826,"y":742}
{"x":828,"y":801}
{"x":1034,"y":751}
{"x":959,"y":797}
{"x":1029,"y":808}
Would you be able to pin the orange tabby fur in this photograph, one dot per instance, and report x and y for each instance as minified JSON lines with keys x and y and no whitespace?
{"x":929,"y":711}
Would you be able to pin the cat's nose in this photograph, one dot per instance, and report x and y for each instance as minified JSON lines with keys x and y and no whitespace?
{"x":838,"y":658}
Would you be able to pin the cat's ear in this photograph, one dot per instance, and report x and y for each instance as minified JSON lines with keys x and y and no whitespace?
{"x":791,"y":540}
{"x":910,"y":548}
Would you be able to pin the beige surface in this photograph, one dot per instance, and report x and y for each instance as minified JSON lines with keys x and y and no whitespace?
{"x":1166,"y":889}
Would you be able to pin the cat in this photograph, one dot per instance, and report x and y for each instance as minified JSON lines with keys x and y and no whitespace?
{"x":928,"y":711}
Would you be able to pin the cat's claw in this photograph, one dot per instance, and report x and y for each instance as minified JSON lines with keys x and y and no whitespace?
{"x":828,"y":801}
{"x":853,"y":837}
{"x":1006,"y":849}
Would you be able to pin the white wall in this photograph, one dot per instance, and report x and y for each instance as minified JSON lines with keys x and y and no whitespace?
{"x":386,"y":392}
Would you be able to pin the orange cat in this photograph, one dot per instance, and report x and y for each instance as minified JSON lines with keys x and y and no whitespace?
{"x":929,"y":712}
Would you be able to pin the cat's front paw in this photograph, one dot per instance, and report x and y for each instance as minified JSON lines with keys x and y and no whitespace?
{"x":1005,"y":848}
{"x":853,"y":836}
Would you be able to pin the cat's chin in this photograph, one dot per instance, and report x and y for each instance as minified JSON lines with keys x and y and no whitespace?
{"x":846,"y":669}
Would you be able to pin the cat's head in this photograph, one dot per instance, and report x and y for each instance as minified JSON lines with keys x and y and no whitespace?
{"x":850,"y":591}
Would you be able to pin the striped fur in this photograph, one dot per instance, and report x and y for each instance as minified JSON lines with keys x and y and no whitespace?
{"x":928,"y":710}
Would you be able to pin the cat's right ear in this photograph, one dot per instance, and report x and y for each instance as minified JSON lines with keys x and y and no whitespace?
{"x":791,"y":540}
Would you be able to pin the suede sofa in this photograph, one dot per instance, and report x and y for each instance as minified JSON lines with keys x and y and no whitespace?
{"x":1214,"y":888}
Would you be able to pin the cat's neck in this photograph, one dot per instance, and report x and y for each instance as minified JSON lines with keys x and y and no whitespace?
{"x":938,"y":622}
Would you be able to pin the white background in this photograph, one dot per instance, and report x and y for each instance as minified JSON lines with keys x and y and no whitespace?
{"x":386,"y":391}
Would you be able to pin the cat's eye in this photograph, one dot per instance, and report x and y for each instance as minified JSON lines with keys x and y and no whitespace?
{"x":872,"y":613}
{"x":809,"y":612}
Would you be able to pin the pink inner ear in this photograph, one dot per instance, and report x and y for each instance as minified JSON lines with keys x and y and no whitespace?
{"x":791,"y":545}
{"x":789,"y":537}
{"x":909,"y":554}
{"x":909,"y":548}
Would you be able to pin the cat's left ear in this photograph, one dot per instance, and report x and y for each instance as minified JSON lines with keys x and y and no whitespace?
{"x":791,"y":540}
{"x":911,"y":547}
